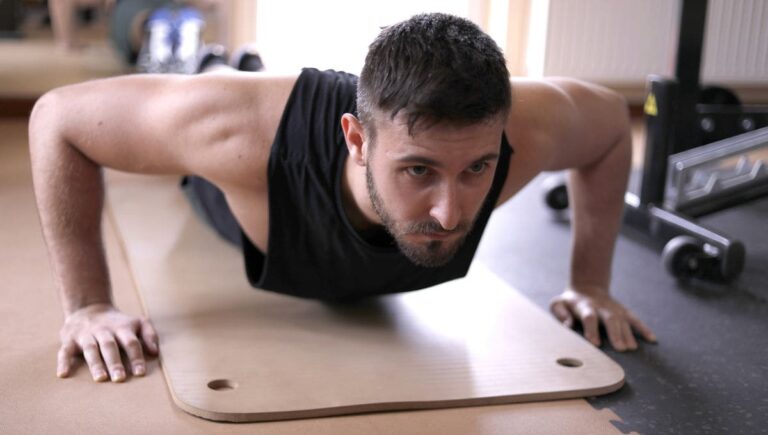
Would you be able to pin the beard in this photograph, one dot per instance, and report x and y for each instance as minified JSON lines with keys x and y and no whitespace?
{"x":433,"y":253}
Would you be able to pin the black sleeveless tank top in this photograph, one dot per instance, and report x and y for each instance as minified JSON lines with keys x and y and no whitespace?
{"x":313,"y":251}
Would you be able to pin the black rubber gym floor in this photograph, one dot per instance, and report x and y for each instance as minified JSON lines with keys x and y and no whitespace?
{"x":707,"y":374}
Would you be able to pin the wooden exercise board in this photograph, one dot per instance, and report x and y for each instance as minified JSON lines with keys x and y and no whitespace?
{"x":233,"y":353}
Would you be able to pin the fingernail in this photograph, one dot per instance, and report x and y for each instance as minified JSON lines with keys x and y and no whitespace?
{"x":99,"y":376}
{"x":118,"y":375}
{"x":138,"y":369}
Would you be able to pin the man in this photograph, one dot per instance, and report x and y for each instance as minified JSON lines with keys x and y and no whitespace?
{"x":341,"y":189}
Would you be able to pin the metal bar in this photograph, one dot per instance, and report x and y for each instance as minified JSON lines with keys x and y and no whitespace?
{"x":660,"y":104}
{"x":711,"y":176}
{"x":693,"y":17}
{"x":663,"y":225}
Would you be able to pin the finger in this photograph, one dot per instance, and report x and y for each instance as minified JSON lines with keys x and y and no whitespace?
{"x":130,"y":343}
{"x":561,"y":311}
{"x":641,"y":327}
{"x":588,"y":318}
{"x":614,"y":330}
{"x":149,"y":336}
{"x":111,"y":354}
{"x":65,"y":355}
{"x":629,"y":337}
{"x":93,"y":358}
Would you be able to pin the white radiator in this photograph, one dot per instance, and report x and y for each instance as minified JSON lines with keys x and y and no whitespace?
{"x":736,"y":46}
{"x":620,"y":42}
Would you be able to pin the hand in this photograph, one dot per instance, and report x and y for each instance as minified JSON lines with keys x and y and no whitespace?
{"x":96,"y":331}
{"x":592,"y":306}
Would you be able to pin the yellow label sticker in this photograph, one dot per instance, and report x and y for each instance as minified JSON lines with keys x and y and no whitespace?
{"x":650,"y":105}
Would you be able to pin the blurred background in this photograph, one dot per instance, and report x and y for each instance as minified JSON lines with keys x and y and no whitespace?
{"x":45,"y":44}
{"x":708,"y":375}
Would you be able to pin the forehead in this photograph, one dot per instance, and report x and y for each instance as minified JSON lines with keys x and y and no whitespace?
{"x":442,"y":140}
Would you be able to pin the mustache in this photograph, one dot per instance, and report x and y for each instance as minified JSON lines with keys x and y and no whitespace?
{"x":430,"y":227}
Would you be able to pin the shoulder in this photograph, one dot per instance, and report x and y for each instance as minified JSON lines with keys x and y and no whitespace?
{"x":244,"y":112}
{"x":558,"y":123}
{"x":555,"y":107}
{"x":236,"y":120}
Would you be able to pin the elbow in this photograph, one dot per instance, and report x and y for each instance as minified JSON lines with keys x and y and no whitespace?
{"x":623,"y":140}
{"x":619,"y":128}
{"x":617,"y":132}
{"x":43,"y":106}
{"x":621,"y":110}
{"x":43,"y":120}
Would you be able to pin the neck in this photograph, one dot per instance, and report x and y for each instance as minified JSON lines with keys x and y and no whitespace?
{"x":355,"y":199}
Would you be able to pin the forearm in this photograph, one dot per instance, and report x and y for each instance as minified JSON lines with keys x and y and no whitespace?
{"x":597,"y":197}
{"x":69,"y":192}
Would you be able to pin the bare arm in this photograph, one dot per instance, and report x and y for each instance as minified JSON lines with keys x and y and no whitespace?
{"x":145,"y":124}
{"x":130,"y":123}
{"x":600,"y":130}
{"x":599,"y":147}
{"x":588,"y":132}
{"x":70,"y":194}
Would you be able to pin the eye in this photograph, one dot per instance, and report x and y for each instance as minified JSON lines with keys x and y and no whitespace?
{"x":417,"y":171}
{"x":478,"y":168}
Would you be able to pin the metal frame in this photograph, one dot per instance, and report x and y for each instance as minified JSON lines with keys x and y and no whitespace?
{"x":676,"y":122}
{"x":713,"y":176}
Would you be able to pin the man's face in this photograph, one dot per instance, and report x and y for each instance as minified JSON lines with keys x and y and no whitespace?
{"x":428,"y":188}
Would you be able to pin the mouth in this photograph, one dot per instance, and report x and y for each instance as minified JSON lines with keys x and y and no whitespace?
{"x":439,"y":235}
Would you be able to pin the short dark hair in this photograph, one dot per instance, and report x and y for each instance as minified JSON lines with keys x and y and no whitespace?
{"x":434,"y":68}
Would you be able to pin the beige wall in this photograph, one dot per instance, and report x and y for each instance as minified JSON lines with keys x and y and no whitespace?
{"x":507,"y":22}
{"x":332,"y":33}
{"x":517,"y":36}
{"x":267,"y":22}
{"x":242,"y":22}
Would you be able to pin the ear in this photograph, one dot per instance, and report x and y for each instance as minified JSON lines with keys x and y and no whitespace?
{"x":354,"y":134}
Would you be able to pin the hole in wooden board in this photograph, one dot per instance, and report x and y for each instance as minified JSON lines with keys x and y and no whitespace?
{"x":570,"y":362}
{"x":222,"y":385}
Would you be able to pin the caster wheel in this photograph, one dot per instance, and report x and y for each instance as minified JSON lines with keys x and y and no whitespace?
{"x":682,"y":257}
{"x":718,"y":95}
{"x":733,"y":262}
{"x":555,"y":193}
{"x":686,"y":257}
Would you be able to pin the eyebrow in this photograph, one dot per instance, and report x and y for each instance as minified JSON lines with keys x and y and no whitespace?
{"x":426,"y":161}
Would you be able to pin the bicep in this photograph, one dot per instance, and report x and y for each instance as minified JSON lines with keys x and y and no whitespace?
{"x":159,"y":124}
{"x":124,"y":123}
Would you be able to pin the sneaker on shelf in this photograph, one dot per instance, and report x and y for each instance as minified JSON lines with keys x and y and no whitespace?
{"x":210,"y":55}
{"x":247,"y":58}
{"x":189,"y":25}
{"x":156,"y":53}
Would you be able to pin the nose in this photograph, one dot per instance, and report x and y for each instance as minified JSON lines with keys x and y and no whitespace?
{"x":445,"y":207}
